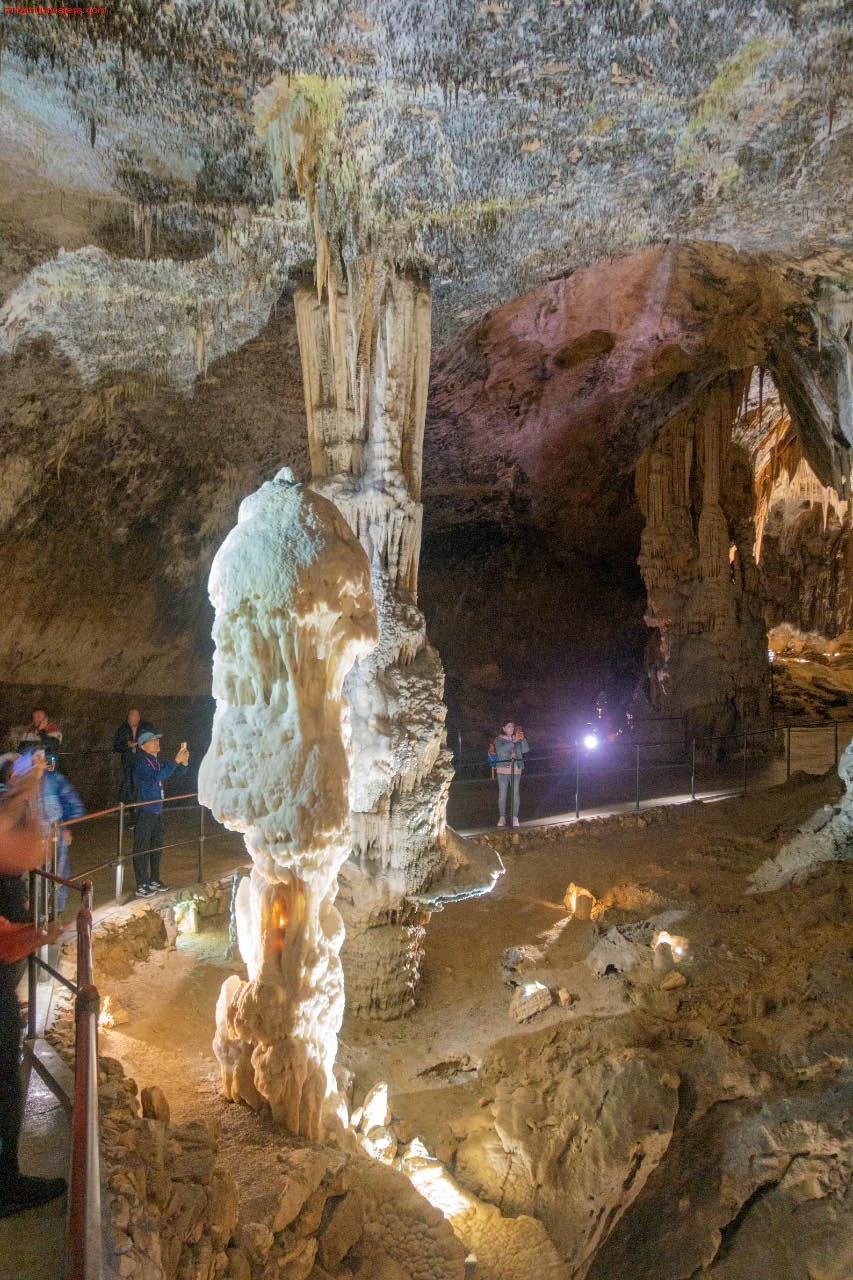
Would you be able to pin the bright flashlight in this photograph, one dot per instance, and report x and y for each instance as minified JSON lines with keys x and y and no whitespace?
{"x":590,"y":741}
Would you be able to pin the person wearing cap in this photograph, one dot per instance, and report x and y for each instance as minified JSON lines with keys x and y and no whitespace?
{"x":149,"y":774}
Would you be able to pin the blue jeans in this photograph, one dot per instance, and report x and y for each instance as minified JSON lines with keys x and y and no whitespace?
{"x":503,"y":788}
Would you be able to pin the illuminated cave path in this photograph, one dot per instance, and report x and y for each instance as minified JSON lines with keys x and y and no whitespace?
{"x":549,"y":799}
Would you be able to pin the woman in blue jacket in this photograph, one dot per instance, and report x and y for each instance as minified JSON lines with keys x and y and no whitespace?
{"x":510,"y":748}
{"x":149,"y":774}
{"x":58,"y":802}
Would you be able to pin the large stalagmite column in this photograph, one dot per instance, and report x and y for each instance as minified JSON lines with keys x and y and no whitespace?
{"x":366,"y":369}
{"x":294,"y":610}
{"x":694,"y":488}
{"x":364,"y":337}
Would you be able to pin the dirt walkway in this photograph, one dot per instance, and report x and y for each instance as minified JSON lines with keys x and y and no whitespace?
{"x":695,"y":858}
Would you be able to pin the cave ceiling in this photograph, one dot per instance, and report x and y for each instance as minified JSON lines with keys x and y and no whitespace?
{"x":492,"y":145}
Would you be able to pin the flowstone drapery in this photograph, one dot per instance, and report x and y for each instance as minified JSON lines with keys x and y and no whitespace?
{"x":294,"y":610}
{"x":694,"y":486}
{"x":365,"y":397}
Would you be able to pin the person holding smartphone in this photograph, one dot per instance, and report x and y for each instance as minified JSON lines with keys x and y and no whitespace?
{"x":149,"y":774}
{"x":510,"y":748}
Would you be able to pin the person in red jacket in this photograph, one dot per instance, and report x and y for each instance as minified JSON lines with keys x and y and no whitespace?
{"x":41,"y":733}
{"x":149,"y":774}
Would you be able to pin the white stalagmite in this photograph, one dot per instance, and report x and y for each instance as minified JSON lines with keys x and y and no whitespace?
{"x":294,"y":610}
{"x":364,"y":339}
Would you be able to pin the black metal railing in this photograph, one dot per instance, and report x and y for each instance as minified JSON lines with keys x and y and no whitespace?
{"x":636,"y":766}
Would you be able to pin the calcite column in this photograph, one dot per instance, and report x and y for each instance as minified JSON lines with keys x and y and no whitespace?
{"x":709,"y":663}
{"x":364,"y":337}
{"x":294,"y":610}
{"x":366,"y":368}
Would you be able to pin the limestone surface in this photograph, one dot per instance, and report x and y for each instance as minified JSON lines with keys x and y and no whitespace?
{"x":365,"y":352}
{"x":294,"y":609}
{"x":827,"y":836}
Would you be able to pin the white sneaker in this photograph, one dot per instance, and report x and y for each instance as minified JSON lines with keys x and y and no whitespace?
{"x":501,"y":822}
{"x":515,"y":822}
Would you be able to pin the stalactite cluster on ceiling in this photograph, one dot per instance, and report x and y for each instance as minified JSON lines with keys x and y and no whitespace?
{"x":502,"y":142}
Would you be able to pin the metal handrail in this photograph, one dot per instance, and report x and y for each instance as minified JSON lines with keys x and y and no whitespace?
{"x":619,"y":759}
{"x":84,"y":1256}
{"x":121,"y":807}
{"x":120,"y":859}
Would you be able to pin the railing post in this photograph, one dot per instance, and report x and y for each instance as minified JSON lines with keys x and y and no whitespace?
{"x":836,"y":743}
{"x":693,"y":770}
{"x":32,"y":972}
{"x":637,"y":751}
{"x":788,"y":753}
{"x":50,"y":885}
{"x":85,"y":1257}
{"x":578,"y":780}
{"x":120,"y":855}
{"x":201,"y":839}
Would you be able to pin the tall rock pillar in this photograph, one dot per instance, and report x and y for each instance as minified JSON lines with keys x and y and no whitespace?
{"x":365,"y":357}
{"x":364,"y":337}
{"x":708,"y":662}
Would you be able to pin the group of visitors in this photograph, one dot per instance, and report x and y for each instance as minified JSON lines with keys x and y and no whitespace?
{"x":137,"y":743}
{"x":33,"y":797}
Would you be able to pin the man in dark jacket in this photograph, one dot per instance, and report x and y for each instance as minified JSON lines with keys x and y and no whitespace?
{"x":125,"y":743}
{"x":149,"y":774}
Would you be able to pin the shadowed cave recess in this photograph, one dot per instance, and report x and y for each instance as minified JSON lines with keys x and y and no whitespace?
{"x":551,"y":305}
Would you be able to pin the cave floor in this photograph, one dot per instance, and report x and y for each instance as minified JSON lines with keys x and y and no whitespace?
{"x":692,"y":857}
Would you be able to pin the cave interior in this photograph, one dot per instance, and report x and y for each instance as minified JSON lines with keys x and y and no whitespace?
{"x":552,"y":301}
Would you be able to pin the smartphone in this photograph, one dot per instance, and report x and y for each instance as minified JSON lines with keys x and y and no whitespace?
{"x":23,"y":765}
{"x":183,"y":746}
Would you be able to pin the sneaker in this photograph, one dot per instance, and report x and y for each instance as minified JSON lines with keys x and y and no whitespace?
{"x":501,"y":822}
{"x":515,"y":822}
{"x":145,"y":891}
{"x":28,"y":1193}
{"x":158,"y":886}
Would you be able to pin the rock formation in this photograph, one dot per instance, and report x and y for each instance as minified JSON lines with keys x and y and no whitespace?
{"x":827,"y":836}
{"x":364,"y":336}
{"x":709,"y":663}
{"x":294,"y":609}
{"x":365,"y":428}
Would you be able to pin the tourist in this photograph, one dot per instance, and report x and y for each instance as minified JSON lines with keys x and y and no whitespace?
{"x":21,"y":850}
{"x":59,"y":803}
{"x":125,"y":742}
{"x":510,"y":748}
{"x":149,"y":774}
{"x":41,"y":733}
